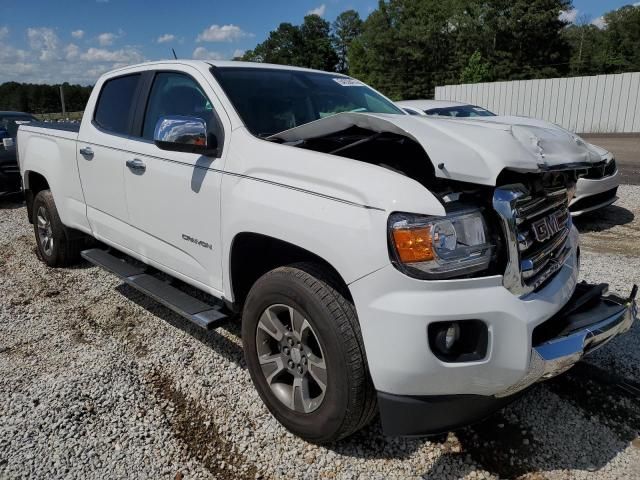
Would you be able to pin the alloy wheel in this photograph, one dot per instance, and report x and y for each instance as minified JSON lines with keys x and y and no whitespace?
{"x":291,"y":358}
{"x":45,"y":231}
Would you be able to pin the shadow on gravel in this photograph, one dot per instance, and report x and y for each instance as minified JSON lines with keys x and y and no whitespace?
{"x":12,"y":201}
{"x":210,"y":338}
{"x":603,"y":219}
{"x":506,"y":448}
{"x":371,"y":443}
{"x":602,"y":395}
{"x":503,"y":447}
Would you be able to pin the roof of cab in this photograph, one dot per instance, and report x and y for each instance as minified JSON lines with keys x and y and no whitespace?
{"x":223,"y":63}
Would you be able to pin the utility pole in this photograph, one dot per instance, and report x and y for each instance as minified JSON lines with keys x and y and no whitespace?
{"x":64,"y":108}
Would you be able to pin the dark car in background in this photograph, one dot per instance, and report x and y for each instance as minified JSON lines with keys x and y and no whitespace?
{"x":9,"y":171}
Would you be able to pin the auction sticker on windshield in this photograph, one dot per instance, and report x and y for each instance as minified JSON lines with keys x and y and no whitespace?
{"x":348,"y":82}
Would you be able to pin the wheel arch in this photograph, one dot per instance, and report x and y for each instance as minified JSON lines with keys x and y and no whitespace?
{"x":34,"y":183}
{"x":253,"y":254}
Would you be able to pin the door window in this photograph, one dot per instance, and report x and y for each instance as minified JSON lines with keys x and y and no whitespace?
{"x":174,"y":93}
{"x":113,"y":111}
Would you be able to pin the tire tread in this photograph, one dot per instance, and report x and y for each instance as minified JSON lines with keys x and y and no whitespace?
{"x":332,"y":293}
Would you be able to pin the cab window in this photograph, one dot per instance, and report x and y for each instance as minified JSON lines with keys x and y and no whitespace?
{"x":113,"y":111}
{"x":175,"y":93}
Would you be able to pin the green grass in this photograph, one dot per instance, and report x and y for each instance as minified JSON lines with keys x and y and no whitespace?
{"x":59,"y":116}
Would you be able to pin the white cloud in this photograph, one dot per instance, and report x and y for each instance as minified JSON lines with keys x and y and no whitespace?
{"x":224,"y":33}
{"x":47,"y":59}
{"x":72,"y":64}
{"x":568,"y":16}
{"x":78,"y":34}
{"x":167,"y":37}
{"x":9,"y":54}
{"x":237,"y":53}
{"x":45,"y":41}
{"x":318,"y":10}
{"x":599,"y":22}
{"x":123,"y":55}
{"x":71,"y":51}
{"x":106,"y":39}
{"x":201,"y":53}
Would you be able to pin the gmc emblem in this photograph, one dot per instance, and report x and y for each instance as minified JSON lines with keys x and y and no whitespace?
{"x":548,"y":226}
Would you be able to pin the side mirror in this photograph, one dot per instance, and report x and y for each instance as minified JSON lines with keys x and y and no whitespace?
{"x":185,"y":134}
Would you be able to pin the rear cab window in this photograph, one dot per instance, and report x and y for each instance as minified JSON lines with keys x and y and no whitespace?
{"x":114,"y":110}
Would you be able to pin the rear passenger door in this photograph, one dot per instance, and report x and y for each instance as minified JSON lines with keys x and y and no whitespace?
{"x":101,"y":145}
{"x":174,"y":197}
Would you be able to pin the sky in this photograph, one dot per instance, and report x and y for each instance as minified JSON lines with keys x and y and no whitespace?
{"x":44,"y":41}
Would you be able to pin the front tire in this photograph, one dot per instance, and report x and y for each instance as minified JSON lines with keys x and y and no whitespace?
{"x":55,"y":247}
{"x":305,"y":354}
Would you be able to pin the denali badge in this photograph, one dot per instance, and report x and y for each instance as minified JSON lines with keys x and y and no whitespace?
{"x":197,"y":242}
{"x":548,"y":226}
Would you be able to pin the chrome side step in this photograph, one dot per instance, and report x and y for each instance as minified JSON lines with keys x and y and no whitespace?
{"x":198,"y":312}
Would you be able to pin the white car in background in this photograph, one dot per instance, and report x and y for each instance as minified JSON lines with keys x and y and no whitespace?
{"x":597,"y":188}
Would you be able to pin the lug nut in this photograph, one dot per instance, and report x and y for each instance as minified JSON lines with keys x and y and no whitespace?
{"x":304,"y":360}
{"x":291,"y":364}
{"x":300,"y":369}
{"x":290,"y":342}
{"x":285,"y":350}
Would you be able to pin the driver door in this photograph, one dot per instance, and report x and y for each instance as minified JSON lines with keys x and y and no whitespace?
{"x":173,"y":198}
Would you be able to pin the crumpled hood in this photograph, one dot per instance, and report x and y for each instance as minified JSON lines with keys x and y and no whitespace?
{"x":466,"y":150}
{"x":528,"y":121}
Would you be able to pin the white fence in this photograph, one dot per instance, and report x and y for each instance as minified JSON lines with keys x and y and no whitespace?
{"x":598,"y":104}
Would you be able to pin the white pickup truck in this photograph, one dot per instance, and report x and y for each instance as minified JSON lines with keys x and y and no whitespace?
{"x":421,"y":268}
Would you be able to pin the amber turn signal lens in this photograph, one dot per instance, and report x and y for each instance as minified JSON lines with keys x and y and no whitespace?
{"x":413,"y":245}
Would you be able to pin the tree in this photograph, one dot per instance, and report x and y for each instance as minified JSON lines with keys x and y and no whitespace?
{"x":622,"y":39}
{"x":308,"y":45}
{"x":588,"y":50}
{"x":476,"y":70}
{"x":31,"y":98}
{"x":407,"y":47}
{"x":284,"y":46}
{"x":317,"y":44}
{"x":346,"y":28}
{"x":615,"y":48}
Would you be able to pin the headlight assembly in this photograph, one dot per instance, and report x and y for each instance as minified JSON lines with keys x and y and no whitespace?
{"x":440,"y":247}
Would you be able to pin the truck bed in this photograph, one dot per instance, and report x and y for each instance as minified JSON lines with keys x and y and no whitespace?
{"x":64,"y":126}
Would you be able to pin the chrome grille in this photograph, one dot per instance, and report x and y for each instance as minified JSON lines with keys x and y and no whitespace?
{"x":537,"y":230}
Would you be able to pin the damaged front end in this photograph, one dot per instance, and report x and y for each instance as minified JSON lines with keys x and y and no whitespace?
{"x":458,"y":150}
{"x":589,"y":320}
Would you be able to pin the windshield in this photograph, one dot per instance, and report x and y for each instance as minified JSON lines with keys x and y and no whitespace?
{"x":460,"y":111}
{"x":271,"y":101}
{"x":10,"y":123}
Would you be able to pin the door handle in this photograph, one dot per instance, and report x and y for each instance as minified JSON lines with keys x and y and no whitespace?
{"x":86,"y":152}
{"x":136,"y":165}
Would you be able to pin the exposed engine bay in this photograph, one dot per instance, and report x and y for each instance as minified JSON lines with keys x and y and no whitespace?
{"x":429,"y":150}
{"x":405,"y":156}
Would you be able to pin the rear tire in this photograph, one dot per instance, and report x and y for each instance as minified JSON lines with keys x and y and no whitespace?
{"x":328,"y":350}
{"x":55,"y":246}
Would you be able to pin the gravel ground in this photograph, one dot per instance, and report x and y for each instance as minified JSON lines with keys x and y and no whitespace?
{"x":97,"y":381}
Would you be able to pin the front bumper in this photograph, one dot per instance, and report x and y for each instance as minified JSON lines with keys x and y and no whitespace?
{"x":592,"y":194}
{"x":587,"y":322}
{"x":395,"y":312}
